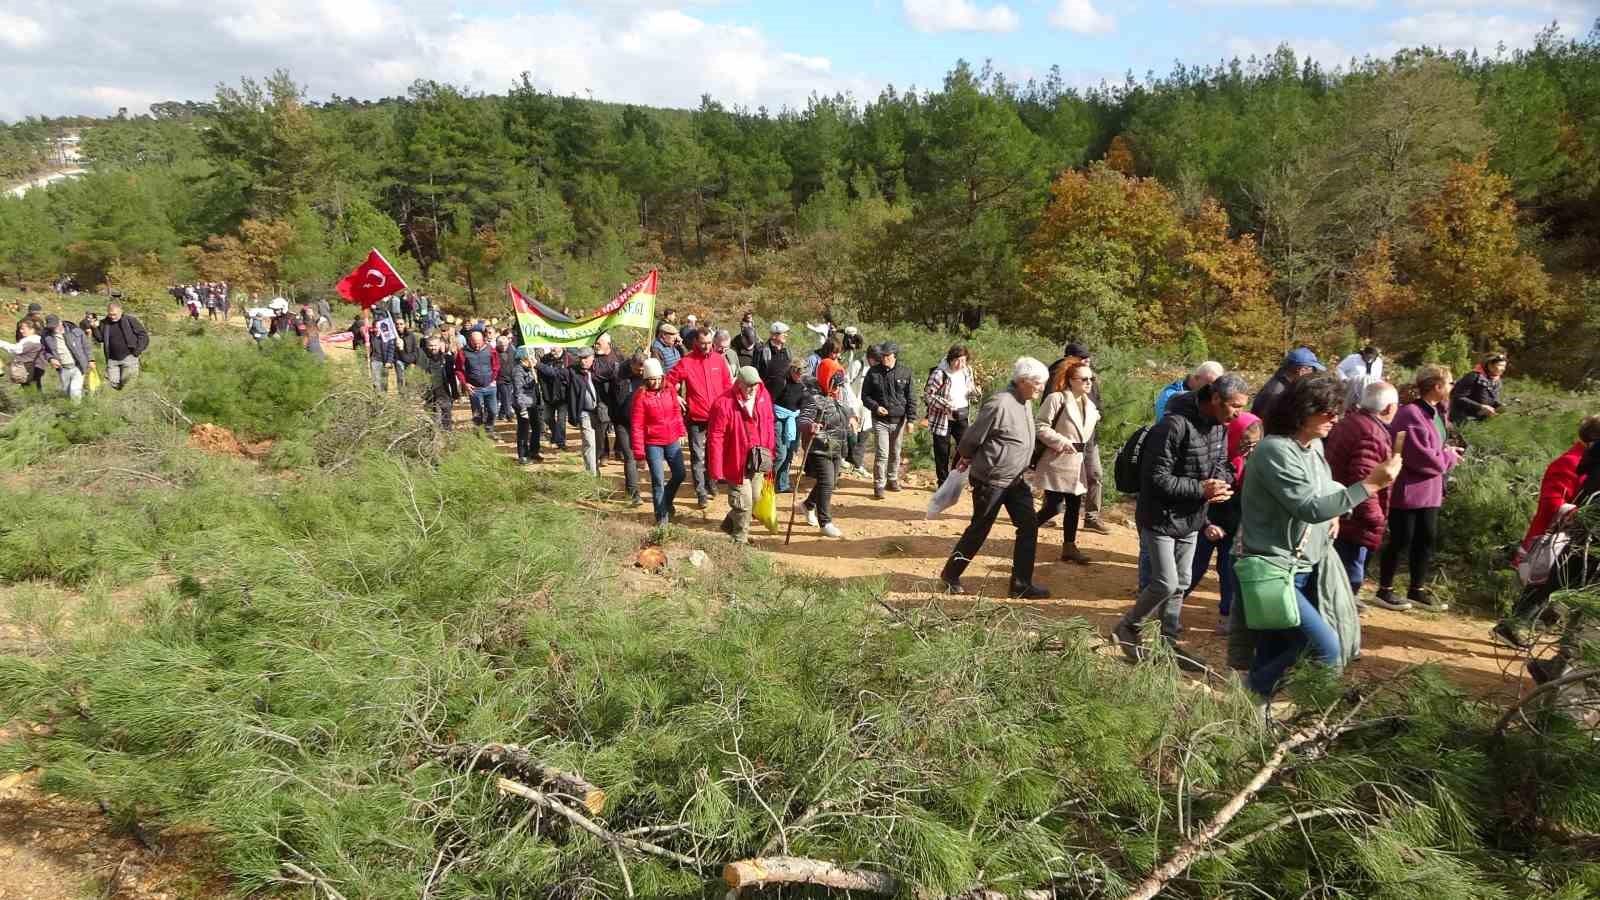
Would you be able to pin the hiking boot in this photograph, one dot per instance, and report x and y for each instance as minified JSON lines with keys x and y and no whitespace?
{"x":1071,"y":553}
{"x":811,"y":518}
{"x":1545,"y":670}
{"x":832,"y":530}
{"x":894,"y":486}
{"x":1096,"y":526}
{"x":1427,"y":601}
{"x":1126,"y":637}
{"x":1510,"y":635}
{"x":700,"y":501}
{"x":1027,"y":592}
{"x":877,"y":493}
{"x":1386,"y":599}
{"x":536,"y":458}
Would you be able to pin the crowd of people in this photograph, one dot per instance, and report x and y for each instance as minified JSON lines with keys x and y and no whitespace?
{"x":1294,"y":487}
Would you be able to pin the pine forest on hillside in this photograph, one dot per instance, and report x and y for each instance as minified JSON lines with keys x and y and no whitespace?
{"x":1258,"y":202}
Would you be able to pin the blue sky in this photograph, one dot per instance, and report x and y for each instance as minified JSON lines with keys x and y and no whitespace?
{"x":57,"y":56}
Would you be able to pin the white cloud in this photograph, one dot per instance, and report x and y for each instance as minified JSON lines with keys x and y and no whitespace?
{"x":641,"y":51}
{"x":959,"y":15}
{"x":1082,"y":17}
{"x":1455,"y":31}
{"x":20,"y":32}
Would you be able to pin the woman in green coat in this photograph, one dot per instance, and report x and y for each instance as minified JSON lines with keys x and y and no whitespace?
{"x":1291,"y":506}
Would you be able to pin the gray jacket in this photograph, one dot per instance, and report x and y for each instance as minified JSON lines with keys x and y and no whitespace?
{"x":1000,"y":440}
{"x":77,"y":348}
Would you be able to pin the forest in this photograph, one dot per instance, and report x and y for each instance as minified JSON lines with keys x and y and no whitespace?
{"x":1421,"y":200}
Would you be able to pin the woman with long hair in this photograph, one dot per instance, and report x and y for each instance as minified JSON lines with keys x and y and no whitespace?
{"x":1067,"y":419}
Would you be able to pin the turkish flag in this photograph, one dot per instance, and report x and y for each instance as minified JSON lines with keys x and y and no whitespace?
{"x":371,"y":281}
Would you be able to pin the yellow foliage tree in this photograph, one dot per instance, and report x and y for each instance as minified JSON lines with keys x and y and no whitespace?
{"x":1377,"y":301}
{"x":1470,"y":271}
{"x":249,"y":260}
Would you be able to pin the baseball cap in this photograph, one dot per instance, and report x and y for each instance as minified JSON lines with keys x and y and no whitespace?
{"x":1302,"y":356}
{"x":779,"y":328}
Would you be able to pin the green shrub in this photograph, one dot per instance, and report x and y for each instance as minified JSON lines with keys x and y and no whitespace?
{"x":259,"y":391}
{"x":1454,"y":352}
{"x":1192,"y":345}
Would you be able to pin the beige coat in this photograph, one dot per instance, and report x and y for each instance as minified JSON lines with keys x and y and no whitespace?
{"x":1061,"y":467}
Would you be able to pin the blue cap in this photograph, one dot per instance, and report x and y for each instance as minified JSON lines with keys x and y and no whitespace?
{"x":1302,"y":356}
{"x":522,"y":353}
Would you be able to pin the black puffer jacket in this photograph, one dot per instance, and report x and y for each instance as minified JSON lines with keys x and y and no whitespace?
{"x":1472,"y":395}
{"x":889,"y":389}
{"x":1276,"y":387}
{"x":1182,"y":450}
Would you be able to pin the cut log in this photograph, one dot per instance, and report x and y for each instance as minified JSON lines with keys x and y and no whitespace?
{"x":495,"y":757}
{"x":799,"y":870}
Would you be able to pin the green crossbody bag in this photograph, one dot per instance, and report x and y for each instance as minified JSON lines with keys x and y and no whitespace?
{"x":1267,"y":589}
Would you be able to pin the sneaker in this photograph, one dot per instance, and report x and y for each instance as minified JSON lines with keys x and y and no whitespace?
{"x":1071,"y":553}
{"x":832,"y":530}
{"x":635,"y":501}
{"x":1127,"y":640}
{"x":1427,"y":601}
{"x":1386,"y":599}
{"x":877,"y":493}
{"x":811,"y":518}
{"x":1027,"y":592}
{"x":1510,"y":635}
{"x":1096,"y":526}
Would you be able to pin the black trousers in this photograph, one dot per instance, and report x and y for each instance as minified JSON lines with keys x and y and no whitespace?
{"x":1054,"y":502}
{"x":944,"y":443}
{"x":555,"y":415}
{"x":630,"y":466}
{"x":1017,"y":498}
{"x":527,"y":433}
{"x":601,"y":418}
{"x":826,"y":472}
{"x":1414,"y":531}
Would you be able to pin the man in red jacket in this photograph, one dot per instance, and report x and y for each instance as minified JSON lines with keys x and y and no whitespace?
{"x":1356,"y":446}
{"x":704,"y":377}
{"x":740,"y":445}
{"x":1558,"y":489}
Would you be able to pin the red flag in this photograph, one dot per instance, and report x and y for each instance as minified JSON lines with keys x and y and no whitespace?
{"x":371,"y":281}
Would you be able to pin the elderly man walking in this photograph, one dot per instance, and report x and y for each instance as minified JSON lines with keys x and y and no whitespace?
{"x":704,"y":376}
{"x":1183,"y":467}
{"x":124,"y":340}
{"x":996,"y":450}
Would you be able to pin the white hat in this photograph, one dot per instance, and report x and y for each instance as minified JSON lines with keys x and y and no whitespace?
{"x":823,"y":330}
{"x":278,"y":303}
{"x":779,"y":328}
{"x":652,"y":368}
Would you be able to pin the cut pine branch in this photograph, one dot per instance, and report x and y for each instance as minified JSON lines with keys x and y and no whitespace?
{"x":763,"y":870}
{"x":514,"y":760}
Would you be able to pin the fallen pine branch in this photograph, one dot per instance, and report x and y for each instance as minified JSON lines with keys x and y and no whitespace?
{"x":495,"y":757}
{"x":507,"y":786}
{"x":762,"y":870}
{"x":1275,"y":825}
{"x":301,"y":876}
{"x":1196,"y":847}
{"x":1548,"y":687}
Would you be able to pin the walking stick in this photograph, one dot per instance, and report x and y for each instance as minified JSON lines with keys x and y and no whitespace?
{"x":794,"y":481}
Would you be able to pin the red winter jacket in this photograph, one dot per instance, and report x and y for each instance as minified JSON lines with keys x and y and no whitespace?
{"x":704,"y":378}
{"x":656,"y":420}
{"x":1356,"y":446}
{"x":1560,"y":486}
{"x":733,"y":432}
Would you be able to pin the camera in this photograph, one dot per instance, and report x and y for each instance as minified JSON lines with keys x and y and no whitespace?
{"x":850,"y":342}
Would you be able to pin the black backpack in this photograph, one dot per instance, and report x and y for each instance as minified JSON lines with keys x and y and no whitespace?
{"x":1125,"y":471}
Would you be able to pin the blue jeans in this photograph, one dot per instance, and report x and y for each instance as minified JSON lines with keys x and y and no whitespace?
{"x":1144,"y":563}
{"x":485,"y":403}
{"x":781,"y":467}
{"x":1277,"y":650}
{"x":662,"y":492}
{"x":1355,"y":563}
{"x":1227,"y":585}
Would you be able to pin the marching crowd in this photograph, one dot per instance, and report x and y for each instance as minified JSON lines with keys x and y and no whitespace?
{"x":1291,"y":490}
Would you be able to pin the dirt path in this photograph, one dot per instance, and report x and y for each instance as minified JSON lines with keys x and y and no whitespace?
{"x":891,"y":539}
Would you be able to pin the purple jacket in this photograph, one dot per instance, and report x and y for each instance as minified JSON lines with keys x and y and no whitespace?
{"x":1424,"y":462}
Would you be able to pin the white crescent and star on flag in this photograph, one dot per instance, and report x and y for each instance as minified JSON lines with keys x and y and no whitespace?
{"x":374,"y":274}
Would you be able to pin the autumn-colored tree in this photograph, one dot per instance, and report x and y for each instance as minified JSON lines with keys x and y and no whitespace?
{"x":1115,"y":258}
{"x":1377,"y":301}
{"x":250,"y":259}
{"x":1119,"y":156}
{"x":1468,"y":266}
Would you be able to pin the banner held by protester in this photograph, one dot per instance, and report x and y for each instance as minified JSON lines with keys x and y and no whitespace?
{"x":633,"y":307}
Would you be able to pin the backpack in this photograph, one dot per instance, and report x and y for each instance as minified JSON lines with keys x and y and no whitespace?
{"x":1125,"y":471}
{"x":18,"y":372}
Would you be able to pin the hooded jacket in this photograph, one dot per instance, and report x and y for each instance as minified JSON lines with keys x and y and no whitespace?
{"x":1180,"y":452}
{"x":732,"y":432}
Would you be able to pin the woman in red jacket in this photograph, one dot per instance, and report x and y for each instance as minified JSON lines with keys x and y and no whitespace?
{"x":741,"y":444}
{"x":1558,"y":489}
{"x":657,"y":429}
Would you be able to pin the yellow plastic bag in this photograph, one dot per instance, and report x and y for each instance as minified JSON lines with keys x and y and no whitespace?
{"x":91,"y":382}
{"x":765,"y":510}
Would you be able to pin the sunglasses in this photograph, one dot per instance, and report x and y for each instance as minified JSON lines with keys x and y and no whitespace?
{"x":1084,"y":380}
